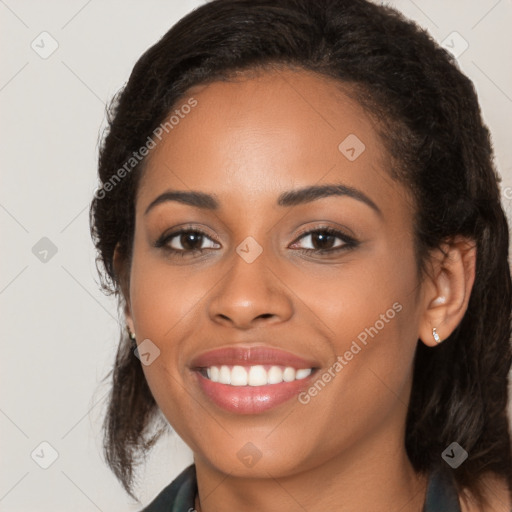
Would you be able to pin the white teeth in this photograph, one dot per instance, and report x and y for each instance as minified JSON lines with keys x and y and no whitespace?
{"x":225,"y":375}
{"x":255,"y":375}
{"x":275,"y":375}
{"x":289,"y":374}
{"x":302,"y":373}
{"x":238,"y":376}
{"x":213,"y":373}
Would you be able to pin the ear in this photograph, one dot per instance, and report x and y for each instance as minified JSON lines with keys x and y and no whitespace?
{"x":122,"y":271}
{"x":447,"y":289}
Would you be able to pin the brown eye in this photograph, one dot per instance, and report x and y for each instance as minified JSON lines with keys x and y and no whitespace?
{"x":325,"y":240}
{"x":190,"y":241}
{"x":322,"y":241}
{"x":187,"y":241}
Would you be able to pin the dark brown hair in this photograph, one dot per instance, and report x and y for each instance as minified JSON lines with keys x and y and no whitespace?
{"x":430,"y":122}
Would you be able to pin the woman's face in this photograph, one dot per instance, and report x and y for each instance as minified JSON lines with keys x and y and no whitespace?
{"x":265,"y":302}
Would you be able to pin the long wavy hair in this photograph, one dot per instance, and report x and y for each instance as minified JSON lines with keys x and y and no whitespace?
{"x":428,"y":116}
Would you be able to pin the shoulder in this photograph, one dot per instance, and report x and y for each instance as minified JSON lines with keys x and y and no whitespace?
{"x":496,"y":493}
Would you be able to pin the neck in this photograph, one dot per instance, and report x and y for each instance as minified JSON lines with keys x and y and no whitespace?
{"x":377,"y":476}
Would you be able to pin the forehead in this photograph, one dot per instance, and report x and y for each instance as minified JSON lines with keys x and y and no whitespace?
{"x":258,"y":134}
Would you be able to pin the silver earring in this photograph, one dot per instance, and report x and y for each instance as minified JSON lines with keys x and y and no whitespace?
{"x":131,"y":335}
{"x":436,"y":336}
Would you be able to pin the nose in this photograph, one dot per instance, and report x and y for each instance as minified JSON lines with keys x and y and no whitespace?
{"x":251,"y":294}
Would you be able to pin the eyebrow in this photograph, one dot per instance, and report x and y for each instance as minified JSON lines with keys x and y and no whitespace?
{"x":308,"y":194}
{"x":289,"y":198}
{"x":192,"y":198}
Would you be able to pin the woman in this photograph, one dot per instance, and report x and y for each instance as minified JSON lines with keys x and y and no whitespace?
{"x":299,"y":213}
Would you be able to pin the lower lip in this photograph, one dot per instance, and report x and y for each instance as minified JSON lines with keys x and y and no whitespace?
{"x":251,"y":399}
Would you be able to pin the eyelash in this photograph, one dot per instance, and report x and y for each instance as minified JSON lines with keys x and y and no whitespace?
{"x":348,"y":242}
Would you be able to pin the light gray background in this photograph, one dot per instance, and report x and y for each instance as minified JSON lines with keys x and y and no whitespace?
{"x":58,"y":330}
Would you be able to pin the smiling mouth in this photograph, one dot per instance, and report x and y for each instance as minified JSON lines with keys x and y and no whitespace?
{"x":256,"y":375}
{"x":251,"y":380}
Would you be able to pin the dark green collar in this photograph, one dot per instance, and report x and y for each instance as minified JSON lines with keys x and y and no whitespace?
{"x":441,"y":494}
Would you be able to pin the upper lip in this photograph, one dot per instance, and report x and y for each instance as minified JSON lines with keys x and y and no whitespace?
{"x":250,"y":356}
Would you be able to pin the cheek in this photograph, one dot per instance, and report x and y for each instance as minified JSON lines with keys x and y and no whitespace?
{"x":362,"y":299}
{"x":371,"y":313}
{"x":163,"y":302}
{"x":162,"y":295}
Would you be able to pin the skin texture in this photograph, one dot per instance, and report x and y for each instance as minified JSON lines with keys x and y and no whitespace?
{"x":247,"y":141}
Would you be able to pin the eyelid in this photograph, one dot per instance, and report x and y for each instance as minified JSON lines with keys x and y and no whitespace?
{"x":164,"y":239}
{"x":348,"y":241}
{"x":339,"y":229}
{"x":176,"y":230}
